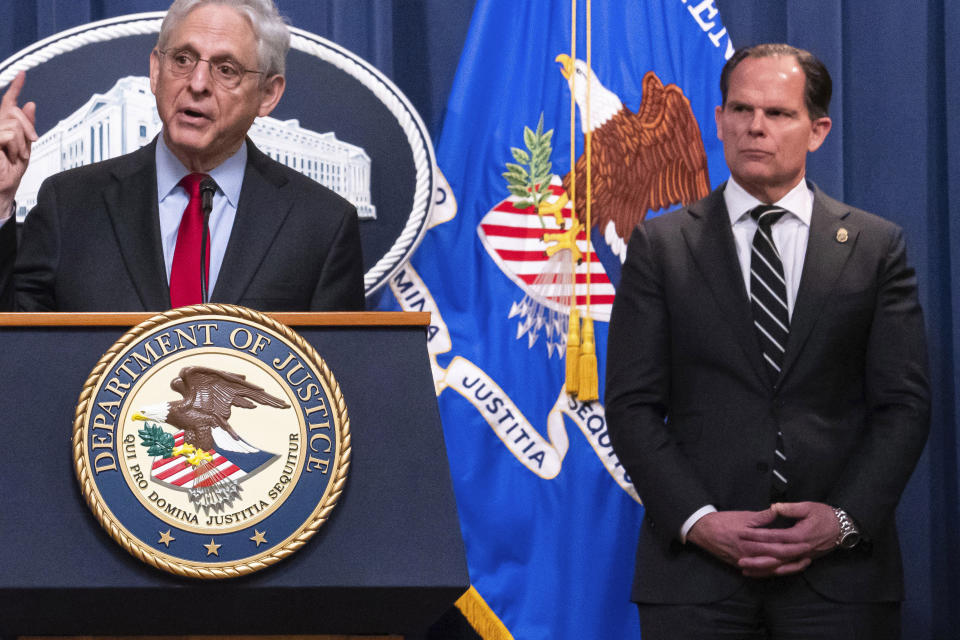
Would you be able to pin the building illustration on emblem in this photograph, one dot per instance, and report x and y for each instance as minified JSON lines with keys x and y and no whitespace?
{"x":125,"y":118}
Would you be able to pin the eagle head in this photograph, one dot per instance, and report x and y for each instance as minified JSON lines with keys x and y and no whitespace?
{"x":604,"y":104}
{"x":155,"y":412}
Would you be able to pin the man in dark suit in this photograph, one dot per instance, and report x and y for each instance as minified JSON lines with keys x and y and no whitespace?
{"x":767,"y":386}
{"x":117,"y":235}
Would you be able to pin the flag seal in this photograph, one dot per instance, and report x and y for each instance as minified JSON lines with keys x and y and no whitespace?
{"x":211,"y":441}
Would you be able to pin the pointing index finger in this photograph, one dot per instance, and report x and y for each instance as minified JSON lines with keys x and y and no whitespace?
{"x":13,"y":91}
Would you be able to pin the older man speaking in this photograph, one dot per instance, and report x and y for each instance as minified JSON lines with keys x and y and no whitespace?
{"x":198,"y":215}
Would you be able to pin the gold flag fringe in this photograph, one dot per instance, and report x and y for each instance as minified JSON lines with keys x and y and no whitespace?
{"x":481,"y":617}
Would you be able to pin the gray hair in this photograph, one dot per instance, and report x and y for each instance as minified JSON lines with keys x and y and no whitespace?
{"x":269,"y":28}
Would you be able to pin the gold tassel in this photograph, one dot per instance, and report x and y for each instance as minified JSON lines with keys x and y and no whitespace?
{"x":588,"y":389}
{"x":573,"y":352}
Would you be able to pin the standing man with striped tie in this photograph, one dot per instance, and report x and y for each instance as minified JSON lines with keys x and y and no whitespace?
{"x":767,"y":385}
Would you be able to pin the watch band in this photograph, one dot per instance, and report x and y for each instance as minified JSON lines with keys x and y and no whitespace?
{"x":849,"y":534}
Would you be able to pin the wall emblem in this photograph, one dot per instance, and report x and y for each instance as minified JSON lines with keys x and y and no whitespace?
{"x":211,"y":441}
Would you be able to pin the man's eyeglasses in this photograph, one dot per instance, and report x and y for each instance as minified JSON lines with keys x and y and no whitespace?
{"x":226,"y":73}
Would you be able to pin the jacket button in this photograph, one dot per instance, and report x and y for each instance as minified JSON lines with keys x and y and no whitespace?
{"x":763,"y":467}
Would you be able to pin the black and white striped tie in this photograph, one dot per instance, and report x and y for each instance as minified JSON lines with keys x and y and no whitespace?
{"x":771,"y":317}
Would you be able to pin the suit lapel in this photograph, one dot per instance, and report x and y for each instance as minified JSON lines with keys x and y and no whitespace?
{"x":263,"y":207}
{"x":131,"y":203}
{"x":827,"y":253}
{"x":710,"y":241}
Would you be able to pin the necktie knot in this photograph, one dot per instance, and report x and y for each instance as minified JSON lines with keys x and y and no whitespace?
{"x":767,"y":215}
{"x":191,"y":182}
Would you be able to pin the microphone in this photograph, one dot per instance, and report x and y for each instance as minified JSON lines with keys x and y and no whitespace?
{"x":208,"y":187}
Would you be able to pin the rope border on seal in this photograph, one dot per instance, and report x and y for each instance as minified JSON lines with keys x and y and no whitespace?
{"x":414,"y":130}
{"x":133,"y":545}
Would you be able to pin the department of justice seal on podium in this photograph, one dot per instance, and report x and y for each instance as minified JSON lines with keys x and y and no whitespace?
{"x":211,"y":441}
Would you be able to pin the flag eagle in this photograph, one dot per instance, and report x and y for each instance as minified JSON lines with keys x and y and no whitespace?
{"x":644,"y":161}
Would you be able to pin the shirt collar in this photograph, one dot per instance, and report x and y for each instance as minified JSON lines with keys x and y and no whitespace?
{"x":798,"y":201}
{"x":228,"y":176}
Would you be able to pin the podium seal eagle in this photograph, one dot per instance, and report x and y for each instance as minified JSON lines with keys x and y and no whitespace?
{"x":211,"y":441}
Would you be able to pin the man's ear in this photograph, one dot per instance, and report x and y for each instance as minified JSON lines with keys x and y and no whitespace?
{"x":717,"y":113}
{"x":154,"y":70}
{"x":270,"y":94}
{"x":819,"y":129}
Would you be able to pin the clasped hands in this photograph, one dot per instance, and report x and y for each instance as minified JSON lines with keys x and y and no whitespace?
{"x":743,"y":539}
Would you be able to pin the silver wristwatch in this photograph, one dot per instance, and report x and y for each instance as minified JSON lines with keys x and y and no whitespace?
{"x":849,"y":534}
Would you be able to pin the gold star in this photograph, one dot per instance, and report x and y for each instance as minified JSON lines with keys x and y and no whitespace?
{"x":165,"y":538}
{"x":212,"y":548}
{"x":258,"y":537}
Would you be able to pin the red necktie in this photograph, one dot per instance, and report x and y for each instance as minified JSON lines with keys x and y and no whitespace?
{"x":185,"y":271}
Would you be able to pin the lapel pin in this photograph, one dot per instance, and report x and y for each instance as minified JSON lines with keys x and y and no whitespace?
{"x":842,"y":235}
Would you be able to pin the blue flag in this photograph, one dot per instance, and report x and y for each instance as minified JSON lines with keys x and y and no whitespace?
{"x":548,"y":516}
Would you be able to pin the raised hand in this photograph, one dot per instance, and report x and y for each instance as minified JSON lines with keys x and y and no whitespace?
{"x":17,"y":135}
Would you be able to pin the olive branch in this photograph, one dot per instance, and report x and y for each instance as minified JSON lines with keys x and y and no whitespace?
{"x":157,"y":441}
{"x":531,"y":185}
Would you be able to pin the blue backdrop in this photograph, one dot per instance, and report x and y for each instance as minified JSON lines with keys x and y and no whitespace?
{"x":893,"y":150}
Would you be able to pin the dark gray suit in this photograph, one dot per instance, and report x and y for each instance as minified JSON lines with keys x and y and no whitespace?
{"x":693,"y":415}
{"x":92,"y":243}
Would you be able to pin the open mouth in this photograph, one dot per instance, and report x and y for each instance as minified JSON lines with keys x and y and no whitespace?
{"x":192,"y":116}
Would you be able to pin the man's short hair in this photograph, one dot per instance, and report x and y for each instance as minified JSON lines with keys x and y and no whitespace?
{"x":818,"y":87}
{"x":269,"y":27}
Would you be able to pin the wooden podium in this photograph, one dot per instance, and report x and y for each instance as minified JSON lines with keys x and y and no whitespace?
{"x":389,"y":561}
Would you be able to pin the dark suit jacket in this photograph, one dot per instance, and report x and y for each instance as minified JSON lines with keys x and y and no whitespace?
{"x":693,"y":416}
{"x":92,"y":243}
